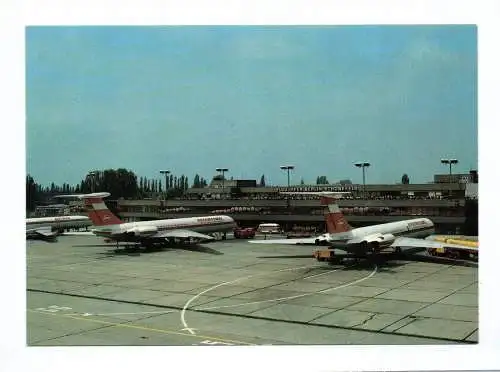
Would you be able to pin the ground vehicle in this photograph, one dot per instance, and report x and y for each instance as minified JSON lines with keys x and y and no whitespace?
{"x":269,"y":228}
{"x":324,"y":255}
{"x":454,"y":253}
{"x":244,"y":233}
{"x":471,"y":253}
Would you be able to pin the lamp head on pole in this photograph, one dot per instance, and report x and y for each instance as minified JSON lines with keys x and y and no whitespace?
{"x":449,"y":161}
{"x":362,"y":164}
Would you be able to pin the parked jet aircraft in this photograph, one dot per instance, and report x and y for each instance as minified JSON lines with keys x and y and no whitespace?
{"x":148,"y":233}
{"x":370,"y":239}
{"x":47,"y":228}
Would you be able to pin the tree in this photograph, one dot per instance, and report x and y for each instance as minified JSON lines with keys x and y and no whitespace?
{"x":262,"y":181}
{"x":405,"y":180}
{"x":321,"y":180}
{"x":196,"y":181}
{"x":31,"y":193}
{"x":120,"y":183}
{"x":302,"y":181}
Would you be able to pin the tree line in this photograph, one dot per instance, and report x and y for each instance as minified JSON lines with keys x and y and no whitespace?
{"x":120,"y":183}
{"x":124,"y":183}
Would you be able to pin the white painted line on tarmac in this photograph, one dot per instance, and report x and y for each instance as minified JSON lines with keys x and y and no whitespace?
{"x":297,"y":296}
{"x":136,"y":313}
{"x":186,"y":305}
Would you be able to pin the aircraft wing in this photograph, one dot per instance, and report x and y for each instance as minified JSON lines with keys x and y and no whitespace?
{"x":78,"y":233}
{"x":284,"y":241}
{"x":182,"y":234}
{"x":425,"y":243}
{"x":43,"y":232}
{"x":352,"y":246}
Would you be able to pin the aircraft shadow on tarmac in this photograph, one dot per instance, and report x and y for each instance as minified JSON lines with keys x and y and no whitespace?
{"x":384,"y":262}
{"x":137,"y":250}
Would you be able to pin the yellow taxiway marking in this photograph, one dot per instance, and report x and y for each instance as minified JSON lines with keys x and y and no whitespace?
{"x":143,"y":328}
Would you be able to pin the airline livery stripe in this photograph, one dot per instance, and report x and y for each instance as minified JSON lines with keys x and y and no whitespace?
{"x":420,"y":230}
{"x":188,"y":226}
{"x":108,"y":232}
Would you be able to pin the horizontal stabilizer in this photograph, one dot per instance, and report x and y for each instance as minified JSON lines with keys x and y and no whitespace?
{"x":85,"y":196}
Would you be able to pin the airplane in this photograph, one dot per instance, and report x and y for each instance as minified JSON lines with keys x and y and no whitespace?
{"x":366,"y":240}
{"x":149,"y":233}
{"x":47,"y":228}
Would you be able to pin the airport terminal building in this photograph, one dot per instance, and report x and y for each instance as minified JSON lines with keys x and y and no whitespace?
{"x":447,"y":204}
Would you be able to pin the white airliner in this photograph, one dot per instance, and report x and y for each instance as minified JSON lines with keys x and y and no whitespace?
{"x":107,"y":225}
{"x":368,"y":239}
{"x":49,"y":227}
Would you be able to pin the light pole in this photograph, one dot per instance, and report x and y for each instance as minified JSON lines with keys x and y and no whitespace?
{"x":166,"y":173}
{"x":363,"y":165}
{"x":288,"y":168}
{"x":222,"y":170}
{"x":450,"y":162}
{"x":92,"y":175}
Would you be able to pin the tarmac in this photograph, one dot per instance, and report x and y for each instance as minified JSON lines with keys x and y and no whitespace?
{"x":81,"y":291}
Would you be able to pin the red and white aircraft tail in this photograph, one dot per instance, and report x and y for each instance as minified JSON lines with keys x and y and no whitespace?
{"x":334,"y":218}
{"x":97,"y":210}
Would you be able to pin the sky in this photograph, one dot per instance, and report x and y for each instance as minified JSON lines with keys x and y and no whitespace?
{"x":252,"y":98}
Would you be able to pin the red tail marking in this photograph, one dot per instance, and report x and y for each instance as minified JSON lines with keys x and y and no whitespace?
{"x":100,"y":217}
{"x":335,"y":220}
{"x":326,"y":200}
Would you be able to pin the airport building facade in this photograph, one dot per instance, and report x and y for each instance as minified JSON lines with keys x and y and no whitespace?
{"x":443,"y":203}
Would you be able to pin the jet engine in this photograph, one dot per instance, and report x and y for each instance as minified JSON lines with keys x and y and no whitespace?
{"x":378,"y":241}
{"x":143,"y":230}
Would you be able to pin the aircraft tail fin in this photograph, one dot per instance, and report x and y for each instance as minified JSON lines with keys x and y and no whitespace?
{"x":335,"y":220}
{"x":97,"y":209}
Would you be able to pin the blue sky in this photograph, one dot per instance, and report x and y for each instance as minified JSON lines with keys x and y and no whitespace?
{"x":191,"y":99}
